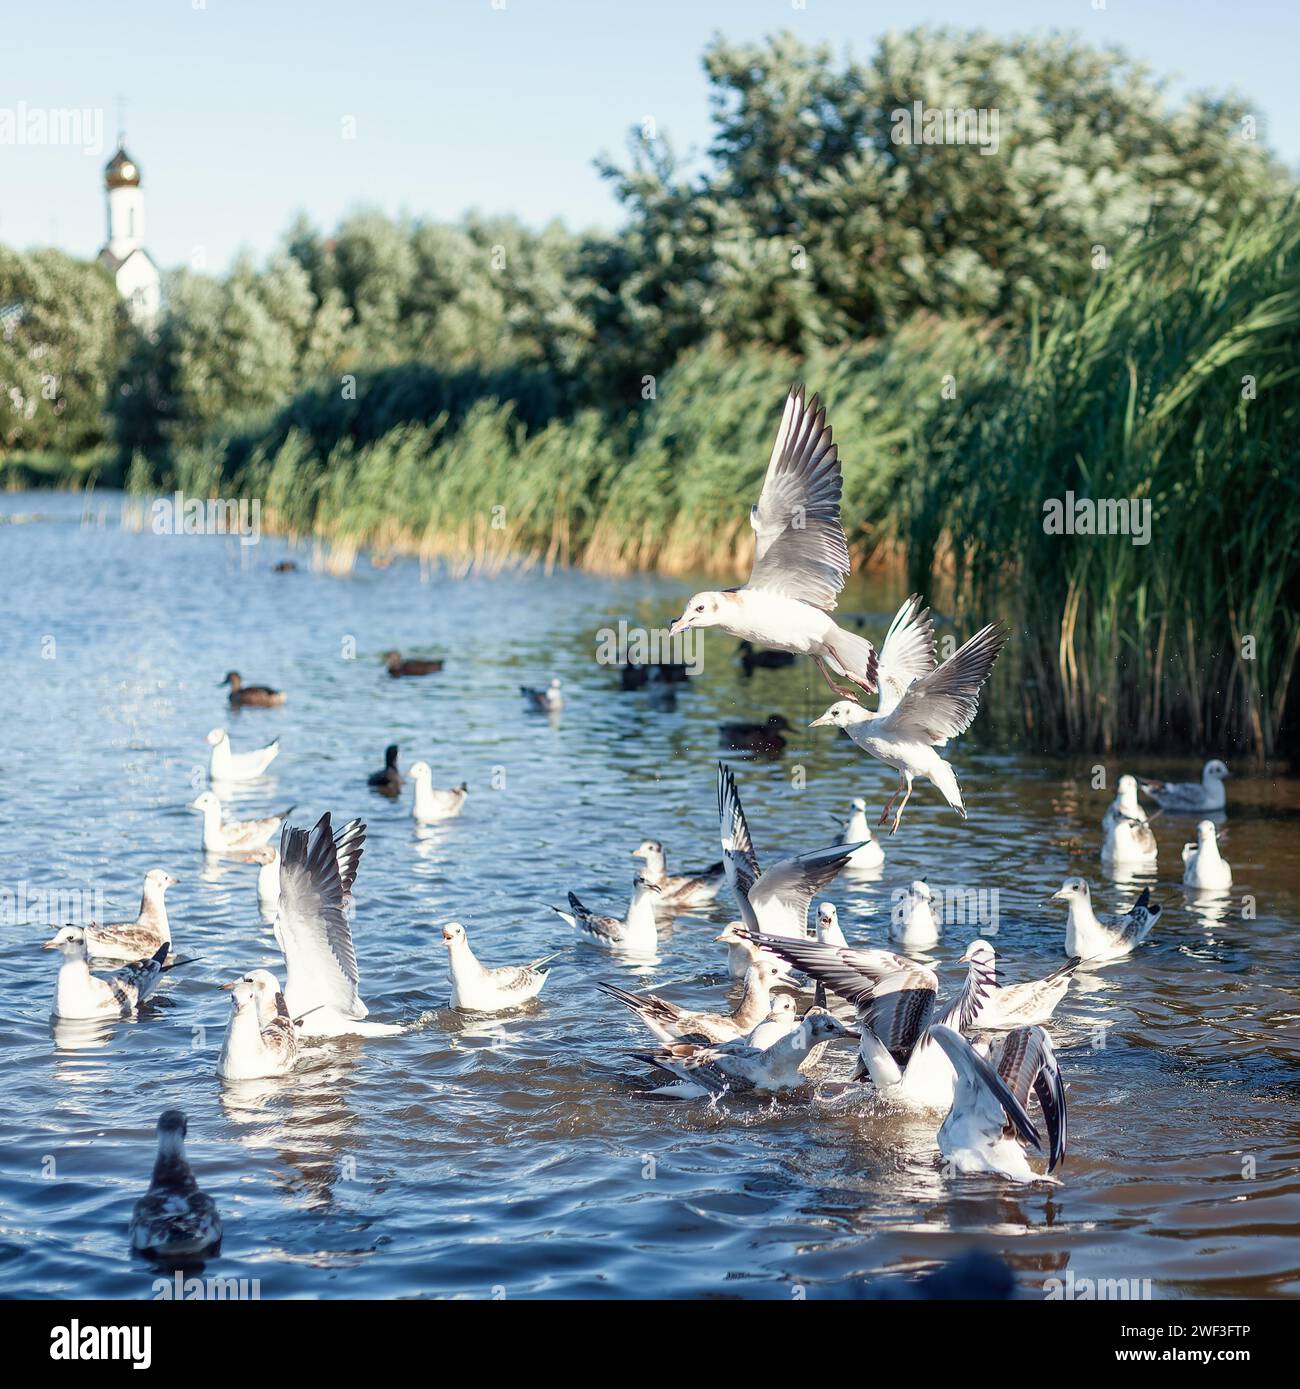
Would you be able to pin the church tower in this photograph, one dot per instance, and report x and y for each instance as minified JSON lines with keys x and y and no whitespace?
{"x":138,"y":279}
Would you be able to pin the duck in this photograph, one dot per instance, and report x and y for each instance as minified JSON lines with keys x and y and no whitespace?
{"x":261,"y":1038}
{"x":635,"y":934}
{"x":174,"y":1219}
{"x":257,"y":696}
{"x":1203,"y":865}
{"x":410,"y":665}
{"x":479,"y":988}
{"x":1181,"y":796}
{"x":138,"y":939}
{"x":233,"y":836}
{"x":754,"y":658}
{"x":79,"y":994}
{"x":285,"y":566}
{"x":430,"y":805}
{"x":1090,"y":935}
{"x":551,"y":698}
{"x":912,"y":922}
{"x":389,"y":781}
{"x":679,"y":890}
{"x":764,"y":738}
{"x":226,"y":765}
{"x":868,"y":854}
{"x":670,"y":1022}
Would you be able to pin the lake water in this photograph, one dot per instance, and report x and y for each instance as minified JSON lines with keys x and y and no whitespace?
{"x":520,"y":1156}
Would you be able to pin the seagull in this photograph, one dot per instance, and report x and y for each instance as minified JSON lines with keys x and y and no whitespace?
{"x":1016,"y":1005}
{"x":138,"y":939}
{"x":895,"y":1002}
{"x":868,"y":854}
{"x":1125,"y":806}
{"x":261,"y":1038}
{"x":80,"y":994}
{"x":174,"y":1219}
{"x":476,"y":988}
{"x":1203,"y":866}
{"x":430,"y":805}
{"x":775,"y":902}
{"x":1108,"y":935}
{"x":1129,"y":841}
{"x":389,"y":781}
{"x":242,"y":695}
{"x":317,"y":870}
{"x":549,"y":698}
{"x":801,"y":558}
{"x":235,"y":836}
{"x":635,"y":934}
{"x":226,"y":765}
{"x":828,"y":925}
{"x":989,"y":1123}
{"x":912,"y":923}
{"x":672,"y":1023}
{"x":780,"y":1022}
{"x":411,"y":665}
{"x":905,"y":730}
{"x":738,"y":1067}
{"x":681,"y":890}
{"x":267,"y":856}
{"x":1191,"y":796}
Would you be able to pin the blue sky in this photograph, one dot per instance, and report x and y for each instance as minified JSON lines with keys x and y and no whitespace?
{"x":235,"y":108}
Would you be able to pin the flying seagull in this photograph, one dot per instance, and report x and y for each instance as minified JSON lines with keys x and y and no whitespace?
{"x":801,"y":558}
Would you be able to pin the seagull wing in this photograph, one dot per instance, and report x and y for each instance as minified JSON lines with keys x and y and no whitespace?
{"x":944,"y":703}
{"x":781,"y":897}
{"x":901,"y":1008}
{"x":855,"y":975}
{"x":799,"y":546}
{"x":1028,"y":1062}
{"x":976,"y":1079}
{"x":908,"y":652}
{"x":319,"y":958}
{"x":738,"y":857}
{"x":349,"y":844}
{"x":961,"y":1013}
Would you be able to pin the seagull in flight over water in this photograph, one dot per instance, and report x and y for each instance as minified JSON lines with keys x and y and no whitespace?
{"x":801,"y":558}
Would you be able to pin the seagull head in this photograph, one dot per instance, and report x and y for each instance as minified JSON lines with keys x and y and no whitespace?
{"x":920,"y":891}
{"x":643,"y":884}
{"x":452,"y":933}
{"x":648,"y":849}
{"x":1215,"y":771}
{"x":243,"y":994}
{"x":1127,"y":786}
{"x":979,"y":952}
{"x":257,"y":984}
{"x":172,"y":1128}
{"x":703,"y":610}
{"x":1205,"y":833}
{"x":859,"y":804}
{"x":1072,"y":890}
{"x":730,"y":935}
{"x":842,"y":713}
{"x":822,"y":1026}
{"x":206,"y":802}
{"x":263,"y":854}
{"x":783,"y":1006}
{"x":71,"y":940}
{"x":159,"y":881}
{"x":827,"y":916}
{"x":217,"y":737}
{"x":420,"y":771}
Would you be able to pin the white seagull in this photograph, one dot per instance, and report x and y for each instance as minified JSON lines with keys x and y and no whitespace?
{"x":1129,"y":842}
{"x":828,"y":930}
{"x":741,"y":953}
{"x":989,"y":1122}
{"x":550,"y":698}
{"x":267,"y":857}
{"x":174,"y":1219}
{"x":431,"y":805}
{"x":801,"y":558}
{"x":672,"y":1023}
{"x":224,"y":764}
{"x":776,"y":901}
{"x":780,"y":1022}
{"x":635,"y":934}
{"x":868,"y":853}
{"x":682,"y":889}
{"x":912,"y":922}
{"x":317,"y":869}
{"x":138,"y":939}
{"x":1106,"y":935}
{"x":917,"y":715}
{"x":1203,"y":865}
{"x":80,"y":994}
{"x":1015,"y":1005}
{"x":234,"y":836}
{"x":477,"y":988}
{"x":1126,"y":805}
{"x":261,"y":1037}
{"x":1207,"y":794}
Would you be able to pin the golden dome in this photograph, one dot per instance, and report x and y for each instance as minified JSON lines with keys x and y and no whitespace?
{"x":121,"y":171}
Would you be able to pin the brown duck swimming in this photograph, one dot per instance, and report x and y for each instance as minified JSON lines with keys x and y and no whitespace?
{"x":260,"y":695}
{"x":413,"y":665}
{"x":755,"y":737}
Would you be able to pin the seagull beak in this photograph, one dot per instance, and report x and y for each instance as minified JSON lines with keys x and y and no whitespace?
{"x":821,"y":722}
{"x":680,"y":625}
{"x":1055,"y":897}
{"x":226,"y":988}
{"x":49,"y":945}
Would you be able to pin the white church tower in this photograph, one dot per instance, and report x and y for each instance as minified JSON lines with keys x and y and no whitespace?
{"x":138,"y":279}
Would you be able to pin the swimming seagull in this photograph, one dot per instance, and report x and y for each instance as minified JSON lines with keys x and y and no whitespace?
{"x":912,"y":922}
{"x":80,"y":994}
{"x":1129,"y":841}
{"x":801,"y":559}
{"x":241,"y":695}
{"x":868,"y":854}
{"x":261,"y":1037}
{"x":227,"y":765}
{"x":549,"y":698}
{"x":1207,"y":794}
{"x":174,"y":1219}
{"x":476,"y":988}
{"x":1015,"y":1005}
{"x":267,"y":857}
{"x":1104,"y":935}
{"x":989,"y":1122}
{"x":737,"y":1067}
{"x":234,"y":836}
{"x":775,"y":901}
{"x":317,"y":869}
{"x":635,"y":934}
{"x":1126,"y":805}
{"x":682,"y":889}
{"x":430,"y":805}
{"x":782,"y":1019}
{"x":672,"y":1023}
{"x":1203,"y":865}
{"x":138,"y":939}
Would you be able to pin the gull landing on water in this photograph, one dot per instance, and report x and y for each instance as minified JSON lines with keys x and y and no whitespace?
{"x":80,"y":994}
{"x":234,"y":836}
{"x":174,"y":1219}
{"x":138,"y":939}
{"x":635,"y":934}
{"x":1203,"y":865}
{"x":989,"y":1123}
{"x":476,"y":988}
{"x":678,"y":890}
{"x":227,"y":765}
{"x":1207,"y":794}
{"x":430,"y":805}
{"x":672,"y":1023}
{"x":1091,"y":935}
{"x":801,"y":558}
